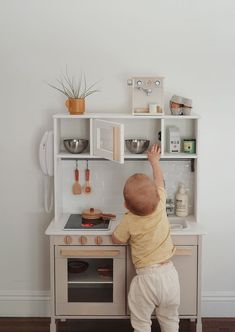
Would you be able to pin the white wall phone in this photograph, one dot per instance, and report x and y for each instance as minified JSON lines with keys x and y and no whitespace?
{"x":47,"y":166}
{"x":46,"y":153}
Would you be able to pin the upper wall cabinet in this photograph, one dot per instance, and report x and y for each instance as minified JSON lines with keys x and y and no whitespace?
{"x":107,"y":134}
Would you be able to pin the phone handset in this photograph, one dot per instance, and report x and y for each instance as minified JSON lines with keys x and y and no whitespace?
{"x":47,"y":166}
{"x":46,"y":153}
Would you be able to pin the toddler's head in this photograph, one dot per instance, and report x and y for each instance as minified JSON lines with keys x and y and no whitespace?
{"x":140,"y":194}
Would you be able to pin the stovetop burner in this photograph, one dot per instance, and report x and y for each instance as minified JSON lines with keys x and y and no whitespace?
{"x":76,"y":221}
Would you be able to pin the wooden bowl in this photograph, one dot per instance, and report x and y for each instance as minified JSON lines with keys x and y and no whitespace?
{"x":105,"y":271}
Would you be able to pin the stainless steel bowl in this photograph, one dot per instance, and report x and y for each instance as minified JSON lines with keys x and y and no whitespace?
{"x":137,"y":145}
{"x":75,"y":145}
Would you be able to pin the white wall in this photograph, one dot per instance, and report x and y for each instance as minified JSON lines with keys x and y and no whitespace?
{"x":191,"y":43}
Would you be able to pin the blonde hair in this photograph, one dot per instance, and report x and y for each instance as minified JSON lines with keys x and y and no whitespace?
{"x":140,"y":194}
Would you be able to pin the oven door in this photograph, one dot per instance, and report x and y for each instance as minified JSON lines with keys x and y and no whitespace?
{"x":90,"y":280}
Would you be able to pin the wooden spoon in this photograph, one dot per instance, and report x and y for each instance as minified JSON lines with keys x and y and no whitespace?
{"x":87,"y":187}
{"x":76,"y":189}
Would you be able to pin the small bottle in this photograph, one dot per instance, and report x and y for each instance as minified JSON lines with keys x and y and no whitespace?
{"x":181,"y":202}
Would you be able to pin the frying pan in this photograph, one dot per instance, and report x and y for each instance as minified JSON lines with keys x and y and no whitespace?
{"x":96,"y":214}
{"x":76,"y":266}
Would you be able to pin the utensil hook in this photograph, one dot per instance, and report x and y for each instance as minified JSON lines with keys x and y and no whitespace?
{"x":87,"y":163}
{"x":76,"y":163}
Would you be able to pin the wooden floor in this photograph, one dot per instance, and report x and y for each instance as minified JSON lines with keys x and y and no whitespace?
{"x":114,"y":325}
{"x":218,"y":324}
{"x":86,"y":325}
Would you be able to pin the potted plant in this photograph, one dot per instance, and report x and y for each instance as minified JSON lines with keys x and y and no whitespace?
{"x":76,"y":90}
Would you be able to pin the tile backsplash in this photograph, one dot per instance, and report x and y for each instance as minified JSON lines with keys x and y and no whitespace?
{"x":108,"y":178}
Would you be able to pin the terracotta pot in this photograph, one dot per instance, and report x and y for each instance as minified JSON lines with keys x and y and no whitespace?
{"x":96,"y":214}
{"x":75,"y":106}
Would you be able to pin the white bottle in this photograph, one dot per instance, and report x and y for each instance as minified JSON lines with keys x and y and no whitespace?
{"x":181,"y":202}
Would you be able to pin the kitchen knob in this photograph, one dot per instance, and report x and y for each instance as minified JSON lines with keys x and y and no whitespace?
{"x":139,"y":83}
{"x":68,"y":239}
{"x":98,"y":240}
{"x":83,"y":239}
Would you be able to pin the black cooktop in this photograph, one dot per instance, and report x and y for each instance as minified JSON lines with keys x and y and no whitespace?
{"x":76,"y":221}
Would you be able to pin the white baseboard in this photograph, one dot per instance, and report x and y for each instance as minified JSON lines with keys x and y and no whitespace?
{"x":37,"y":304}
{"x":24,"y":304}
{"x":218,"y":304}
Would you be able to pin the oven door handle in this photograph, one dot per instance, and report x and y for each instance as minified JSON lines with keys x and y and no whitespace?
{"x":89,"y":253}
{"x":183,"y":252}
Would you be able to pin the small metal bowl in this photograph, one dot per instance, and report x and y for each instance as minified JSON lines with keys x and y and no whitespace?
{"x":75,"y":145}
{"x":137,"y":145}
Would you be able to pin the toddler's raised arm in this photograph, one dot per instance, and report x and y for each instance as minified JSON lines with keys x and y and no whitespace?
{"x":154,"y":155}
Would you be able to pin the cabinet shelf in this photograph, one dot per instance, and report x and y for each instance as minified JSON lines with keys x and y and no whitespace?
{"x":181,"y":155}
{"x":124,"y":116}
{"x":87,"y":156}
{"x":91,"y":282}
{"x":67,"y":155}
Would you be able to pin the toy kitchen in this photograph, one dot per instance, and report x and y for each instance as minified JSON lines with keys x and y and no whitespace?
{"x":94,"y":154}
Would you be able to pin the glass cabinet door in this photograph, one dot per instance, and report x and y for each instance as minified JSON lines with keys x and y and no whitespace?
{"x":109,"y":140}
{"x":90,"y":280}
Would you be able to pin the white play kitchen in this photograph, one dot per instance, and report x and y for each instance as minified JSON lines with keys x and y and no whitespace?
{"x":94,"y":154}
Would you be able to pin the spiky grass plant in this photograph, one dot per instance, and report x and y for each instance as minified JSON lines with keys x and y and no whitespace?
{"x":75,"y":88}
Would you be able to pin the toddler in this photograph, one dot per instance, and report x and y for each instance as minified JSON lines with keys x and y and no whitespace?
{"x":146,"y":228}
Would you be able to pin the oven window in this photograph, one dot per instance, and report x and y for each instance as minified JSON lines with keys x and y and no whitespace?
{"x":90,"y":280}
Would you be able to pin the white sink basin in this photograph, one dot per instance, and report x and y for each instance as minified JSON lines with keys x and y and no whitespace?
{"x":177,"y":223}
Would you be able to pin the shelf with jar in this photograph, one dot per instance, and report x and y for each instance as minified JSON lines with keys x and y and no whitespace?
{"x":118,"y":137}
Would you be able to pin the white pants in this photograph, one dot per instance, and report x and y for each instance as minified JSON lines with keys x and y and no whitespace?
{"x":155,"y":288}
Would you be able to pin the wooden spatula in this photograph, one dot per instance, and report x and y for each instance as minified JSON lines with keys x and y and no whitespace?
{"x":87,"y":187}
{"x":76,"y":189}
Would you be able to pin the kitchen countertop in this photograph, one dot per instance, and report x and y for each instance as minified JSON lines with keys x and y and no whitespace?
{"x":57,"y":227}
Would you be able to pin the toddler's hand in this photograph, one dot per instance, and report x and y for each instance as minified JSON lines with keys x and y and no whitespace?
{"x":154,"y":154}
